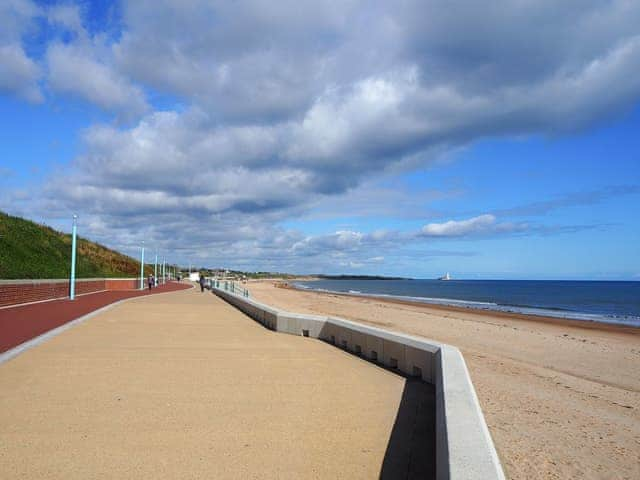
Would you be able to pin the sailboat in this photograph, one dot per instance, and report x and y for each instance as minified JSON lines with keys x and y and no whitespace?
{"x":446,"y":277}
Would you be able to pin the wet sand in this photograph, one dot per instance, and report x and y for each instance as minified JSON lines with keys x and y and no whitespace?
{"x":561,"y":398}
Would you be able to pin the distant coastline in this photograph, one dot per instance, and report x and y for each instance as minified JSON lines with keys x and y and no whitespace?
{"x":359,"y":277}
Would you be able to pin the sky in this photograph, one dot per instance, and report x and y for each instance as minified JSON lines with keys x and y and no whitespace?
{"x":412,"y":138}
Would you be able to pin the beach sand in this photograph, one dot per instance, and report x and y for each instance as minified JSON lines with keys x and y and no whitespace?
{"x":561,"y":398}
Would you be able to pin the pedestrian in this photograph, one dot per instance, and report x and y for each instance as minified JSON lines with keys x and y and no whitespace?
{"x":150,"y":281}
{"x":201,"y":283}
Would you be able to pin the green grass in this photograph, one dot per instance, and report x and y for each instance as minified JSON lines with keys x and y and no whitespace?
{"x":30,"y":250}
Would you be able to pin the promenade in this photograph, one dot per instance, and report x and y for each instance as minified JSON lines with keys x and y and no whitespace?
{"x":182,"y":385}
{"x":20,"y":323}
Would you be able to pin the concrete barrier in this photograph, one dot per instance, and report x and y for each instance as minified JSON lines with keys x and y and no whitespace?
{"x":464,"y":448}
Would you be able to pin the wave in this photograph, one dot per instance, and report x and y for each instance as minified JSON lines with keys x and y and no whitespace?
{"x":555,"y":312}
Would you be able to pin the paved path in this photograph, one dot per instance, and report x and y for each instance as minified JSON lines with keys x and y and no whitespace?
{"x":182,"y":385}
{"x":20,"y":323}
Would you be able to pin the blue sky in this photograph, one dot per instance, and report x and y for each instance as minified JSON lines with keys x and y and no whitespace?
{"x":357,"y":138}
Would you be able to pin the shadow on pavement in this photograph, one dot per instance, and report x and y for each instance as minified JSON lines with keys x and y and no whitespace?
{"x":411,"y":452}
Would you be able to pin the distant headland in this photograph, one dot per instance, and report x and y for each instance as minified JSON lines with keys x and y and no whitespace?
{"x":360,"y":277}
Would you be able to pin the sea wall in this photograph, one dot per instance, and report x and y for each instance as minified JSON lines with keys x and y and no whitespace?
{"x":464,"y":448}
{"x":14,"y":292}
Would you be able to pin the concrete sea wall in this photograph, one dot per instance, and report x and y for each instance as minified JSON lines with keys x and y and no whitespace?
{"x":14,"y":292}
{"x":464,"y":448}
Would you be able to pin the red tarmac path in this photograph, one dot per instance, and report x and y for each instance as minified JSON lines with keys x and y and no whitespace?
{"x":24,"y":322}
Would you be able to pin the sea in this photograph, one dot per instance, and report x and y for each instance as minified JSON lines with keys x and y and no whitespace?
{"x":596,"y":301}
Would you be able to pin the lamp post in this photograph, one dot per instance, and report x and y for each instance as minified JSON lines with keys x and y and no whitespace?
{"x":142,"y":268}
{"x":155,"y":268}
{"x":164,"y":266}
{"x":72,"y":283}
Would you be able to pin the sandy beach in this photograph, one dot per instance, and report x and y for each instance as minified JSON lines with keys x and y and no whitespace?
{"x":561,"y":398}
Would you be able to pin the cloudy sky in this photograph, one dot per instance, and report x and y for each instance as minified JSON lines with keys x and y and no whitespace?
{"x":487,"y":139}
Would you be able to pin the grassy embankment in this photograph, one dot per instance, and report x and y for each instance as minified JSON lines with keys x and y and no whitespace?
{"x":30,"y":250}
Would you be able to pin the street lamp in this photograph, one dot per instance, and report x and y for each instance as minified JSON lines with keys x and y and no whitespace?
{"x":142,"y":268}
{"x":72,"y":285}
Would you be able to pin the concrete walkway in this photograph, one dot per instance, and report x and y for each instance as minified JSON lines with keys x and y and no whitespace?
{"x":182,"y":385}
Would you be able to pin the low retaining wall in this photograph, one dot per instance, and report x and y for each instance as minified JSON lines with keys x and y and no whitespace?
{"x":122,"y":284}
{"x":14,"y":292}
{"x":464,"y":449}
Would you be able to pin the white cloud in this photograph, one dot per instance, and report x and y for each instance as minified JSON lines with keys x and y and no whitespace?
{"x":480,"y":225}
{"x":454,"y":228}
{"x":81,"y":64}
{"x":67,"y":16}
{"x":74,"y":69}
{"x":273,"y":110}
{"x":19,"y":74}
{"x":344,"y":240}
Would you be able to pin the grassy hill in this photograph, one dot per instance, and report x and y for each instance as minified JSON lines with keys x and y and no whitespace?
{"x":30,"y":250}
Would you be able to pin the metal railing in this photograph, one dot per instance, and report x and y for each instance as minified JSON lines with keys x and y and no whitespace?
{"x":230,"y":286}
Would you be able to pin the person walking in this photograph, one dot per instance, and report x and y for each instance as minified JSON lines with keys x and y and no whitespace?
{"x":150,"y":281}
{"x":201,"y":283}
